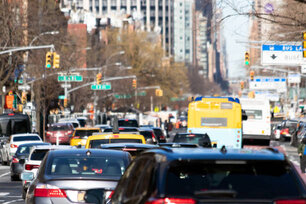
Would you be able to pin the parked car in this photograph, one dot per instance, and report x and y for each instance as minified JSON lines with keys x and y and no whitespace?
{"x":34,"y":160}
{"x":62,"y":131}
{"x":128,"y":123}
{"x":149,"y":135}
{"x":95,"y":141}
{"x":276,"y":131}
{"x":202,"y":140}
{"x":159,"y":133}
{"x":80,"y":135}
{"x":9,"y":149}
{"x":202,"y":175}
{"x":73,"y":121}
{"x":301,"y":125}
{"x":134,"y":149}
{"x":22,"y":153}
{"x":287,"y":129}
{"x":77,"y":176}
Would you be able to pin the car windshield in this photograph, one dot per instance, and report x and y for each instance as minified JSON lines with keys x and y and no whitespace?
{"x":97,"y":143}
{"x":127,"y":123}
{"x":84,"y":133}
{"x":79,"y":166}
{"x":158,"y":132}
{"x":188,"y":138}
{"x":39,"y":154}
{"x":240,"y":179}
{"x":58,"y":128}
{"x":26,"y":138}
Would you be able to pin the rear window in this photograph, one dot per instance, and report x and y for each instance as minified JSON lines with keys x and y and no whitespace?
{"x":239,"y":179}
{"x":127,"y":123}
{"x":146,"y":134}
{"x":97,"y":143}
{"x":158,"y":132}
{"x":98,"y":166}
{"x":85,"y":133}
{"x":254,"y":114}
{"x":23,"y":150}
{"x":59,"y":128}
{"x":39,"y":154}
{"x":214,"y":122}
{"x":26,"y":138}
{"x":128,"y":130}
{"x":190,"y":138}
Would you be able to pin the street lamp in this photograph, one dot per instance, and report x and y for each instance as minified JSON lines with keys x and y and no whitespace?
{"x":44,"y":33}
{"x":114,"y":54}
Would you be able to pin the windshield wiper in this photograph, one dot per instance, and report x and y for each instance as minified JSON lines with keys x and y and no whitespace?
{"x":216,"y":193}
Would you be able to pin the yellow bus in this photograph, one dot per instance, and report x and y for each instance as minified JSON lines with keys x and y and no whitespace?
{"x":219,"y":117}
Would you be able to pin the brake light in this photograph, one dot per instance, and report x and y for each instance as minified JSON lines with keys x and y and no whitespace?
{"x":126,"y":120}
{"x":172,"y":201}
{"x":290,"y":202}
{"x":15,"y":160}
{"x":29,"y":167}
{"x":11,"y":114}
{"x":121,"y":128}
{"x":116,"y":136}
{"x":47,"y":190}
{"x":48,"y":133}
{"x":69,"y":132}
{"x":13,"y":146}
{"x":191,"y":135}
{"x":109,"y":194}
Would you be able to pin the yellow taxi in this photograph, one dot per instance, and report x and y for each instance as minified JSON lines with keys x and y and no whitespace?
{"x":80,"y":135}
{"x":95,"y":141}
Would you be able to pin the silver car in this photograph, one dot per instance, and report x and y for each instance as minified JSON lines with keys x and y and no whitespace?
{"x":77,"y":176}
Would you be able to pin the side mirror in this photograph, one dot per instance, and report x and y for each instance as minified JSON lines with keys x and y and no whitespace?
{"x":27,"y":176}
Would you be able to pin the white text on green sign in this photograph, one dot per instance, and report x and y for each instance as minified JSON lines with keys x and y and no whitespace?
{"x":70,"y":78}
{"x":101,"y":86}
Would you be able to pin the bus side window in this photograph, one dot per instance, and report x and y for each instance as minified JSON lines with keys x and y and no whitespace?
{"x":244,"y":115}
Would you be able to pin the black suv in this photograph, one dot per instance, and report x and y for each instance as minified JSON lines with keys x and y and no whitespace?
{"x":202,"y":175}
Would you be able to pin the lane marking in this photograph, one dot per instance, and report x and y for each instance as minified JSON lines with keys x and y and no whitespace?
{"x":4,"y":194}
{"x":12,"y":201}
{"x":7,"y":173}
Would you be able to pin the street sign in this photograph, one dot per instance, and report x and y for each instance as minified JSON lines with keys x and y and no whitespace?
{"x":294,"y":78}
{"x":66,"y":86}
{"x":76,"y":78}
{"x":268,"y":83}
{"x":281,"y":55}
{"x":61,"y":97}
{"x":101,"y":86}
{"x":122,"y":96}
{"x":24,"y":87}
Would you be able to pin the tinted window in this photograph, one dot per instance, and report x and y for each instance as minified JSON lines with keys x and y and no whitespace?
{"x":12,"y":125}
{"x":59,"y":128}
{"x":84,"y":133}
{"x":20,"y":126}
{"x":75,"y":125}
{"x":39,"y":154}
{"x":26,"y":138}
{"x":127,"y":123}
{"x":125,"y":141}
{"x":158,"y":132}
{"x":82,"y":122}
{"x":97,"y":166}
{"x":192,"y":138}
{"x":258,"y":180}
{"x":146,"y":134}
{"x":108,"y":130}
{"x":97,"y":143}
{"x":128,"y":130}
{"x":23,"y":150}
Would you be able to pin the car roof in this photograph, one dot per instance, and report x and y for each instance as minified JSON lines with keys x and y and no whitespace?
{"x":186,"y":133}
{"x":177,"y":145}
{"x":145,"y":129}
{"x":68,"y":119}
{"x":61,"y":123}
{"x":128,"y":145}
{"x":80,"y":152}
{"x":115,"y":135}
{"x":34,"y":144}
{"x":126,"y":119}
{"x":217,"y":154}
{"x":24,"y":134}
{"x":54,"y":147}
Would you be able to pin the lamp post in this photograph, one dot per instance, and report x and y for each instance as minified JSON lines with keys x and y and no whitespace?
{"x":44,"y":33}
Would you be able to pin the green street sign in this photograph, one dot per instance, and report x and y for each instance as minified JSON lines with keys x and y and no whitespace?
{"x":61,"y":97}
{"x":76,"y":78}
{"x":123,"y":96}
{"x":142,"y":93}
{"x":101,"y":87}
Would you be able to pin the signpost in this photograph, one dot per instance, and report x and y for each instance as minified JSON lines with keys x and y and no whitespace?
{"x":66,"y":86}
{"x":281,"y":55}
{"x":101,"y":87}
{"x":73,"y":78}
{"x":61,"y":97}
{"x":268,"y":83}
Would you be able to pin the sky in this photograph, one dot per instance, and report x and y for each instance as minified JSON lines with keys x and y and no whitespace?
{"x":235,"y":29}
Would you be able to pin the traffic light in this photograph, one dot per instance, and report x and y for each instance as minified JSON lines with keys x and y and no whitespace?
{"x":252,"y":75}
{"x":49,"y":57}
{"x":99,"y":78}
{"x":56,"y":60}
{"x":134,"y":83}
{"x":304,"y":44}
{"x":247,"y":58}
{"x":23,"y":97}
{"x":159,"y":92}
{"x":65,"y":102}
{"x":242,"y":85}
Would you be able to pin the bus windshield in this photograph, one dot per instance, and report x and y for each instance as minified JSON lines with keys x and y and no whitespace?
{"x":14,"y":124}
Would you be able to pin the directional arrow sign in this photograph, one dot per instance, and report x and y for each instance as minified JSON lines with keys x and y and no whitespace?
{"x":281,"y":55}
{"x":101,"y":86}
{"x":76,"y":78}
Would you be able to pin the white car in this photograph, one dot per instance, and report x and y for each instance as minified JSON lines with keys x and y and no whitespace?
{"x":73,"y":121}
{"x":16,"y":140}
{"x":36,"y":156}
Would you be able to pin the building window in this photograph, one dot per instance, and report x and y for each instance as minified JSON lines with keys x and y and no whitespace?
{"x":187,"y":51}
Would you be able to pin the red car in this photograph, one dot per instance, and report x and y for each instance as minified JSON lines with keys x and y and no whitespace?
{"x":62,"y":131}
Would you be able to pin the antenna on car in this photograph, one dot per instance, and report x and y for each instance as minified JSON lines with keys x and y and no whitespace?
{"x":223,"y":149}
{"x":115,"y":125}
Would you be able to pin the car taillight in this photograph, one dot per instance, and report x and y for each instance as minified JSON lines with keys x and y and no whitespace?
{"x":46,"y":190}
{"x":29,"y":167}
{"x":109,"y":194}
{"x":13,"y":146}
{"x":48,"y":133}
{"x":162,"y":137}
{"x":15,"y":160}
{"x":76,"y":137}
{"x":69,"y":132}
{"x":172,"y":201}
{"x":290,"y":202}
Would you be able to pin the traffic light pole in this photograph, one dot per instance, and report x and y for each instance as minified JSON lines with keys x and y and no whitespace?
{"x":26,"y":48}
